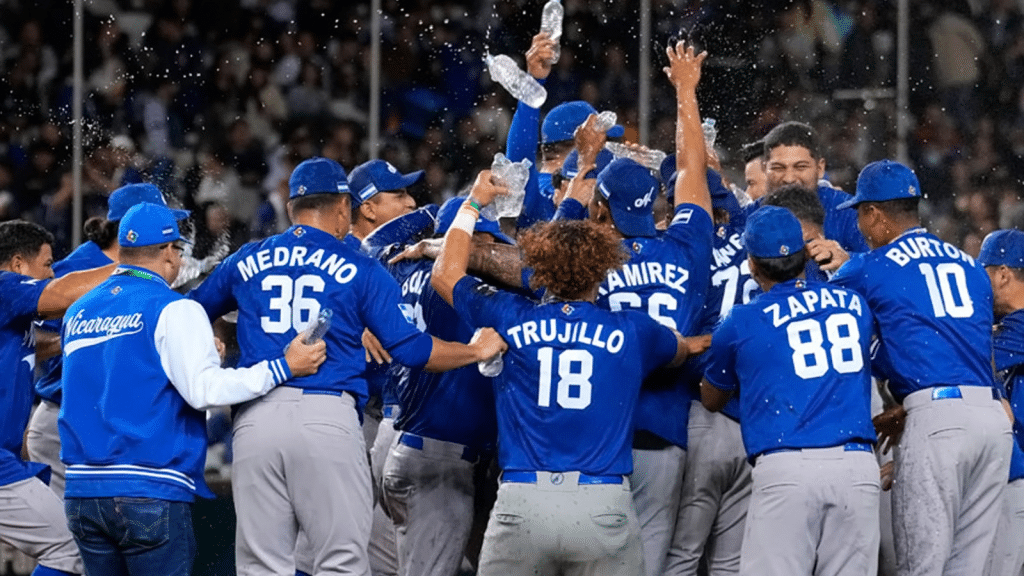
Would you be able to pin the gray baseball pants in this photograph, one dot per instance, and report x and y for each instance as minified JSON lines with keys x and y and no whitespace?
{"x":952,"y":463}
{"x":300,"y":461}
{"x":715,"y":496}
{"x":813,"y":511}
{"x":429,"y":493}
{"x":557,"y":527}
{"x":1007,"y":557}
{"x":657,"y":481}
{"x":43,"y":443}
{"x":32,"y":520}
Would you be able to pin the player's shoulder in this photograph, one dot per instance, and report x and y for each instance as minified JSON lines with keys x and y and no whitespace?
{"x":831,"y":197}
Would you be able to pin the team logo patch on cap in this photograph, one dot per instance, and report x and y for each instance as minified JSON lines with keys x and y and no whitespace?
{"x":131,"y":236}
{"x":784,"y":250}
{"x":302,"y":190}
{"x":912,"y":191}
{"x":392,"y":169}
{"x":167,"y":231}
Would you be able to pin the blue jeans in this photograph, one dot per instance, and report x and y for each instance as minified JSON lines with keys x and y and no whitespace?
{"x":124,"y":536}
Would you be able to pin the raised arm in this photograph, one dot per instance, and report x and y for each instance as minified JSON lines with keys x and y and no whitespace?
{"x":453,"y":260}
{"x":684,"y":73}
{"x":61,"y":293}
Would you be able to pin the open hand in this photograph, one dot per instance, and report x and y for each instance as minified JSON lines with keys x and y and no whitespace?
{"x":684,"y":66}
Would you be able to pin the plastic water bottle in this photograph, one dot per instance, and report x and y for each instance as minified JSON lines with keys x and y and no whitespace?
{"x":642,"y":155}
{"x":710,"y":132}
{"x":519,"y":84}
{"x":741,"y":196}
{"x":316,"y":329}
{"x":514,"y":175}
{"x":605,"y":121}
{"x":493,"y":365}
{"x":551,"y":22}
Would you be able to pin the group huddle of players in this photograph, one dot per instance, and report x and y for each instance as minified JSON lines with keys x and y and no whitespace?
{"x":679,"y":394}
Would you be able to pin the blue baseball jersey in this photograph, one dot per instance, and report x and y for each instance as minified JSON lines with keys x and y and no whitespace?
{"x":932,"y":304}
{"x":17,"y":357}
{"x":571,"y":380}
{"x":666,"y":277}
{"x":1008,"y":344}
{"x":87,"y":255}
{"x":279,"y":285}
{"x":799,"y":357}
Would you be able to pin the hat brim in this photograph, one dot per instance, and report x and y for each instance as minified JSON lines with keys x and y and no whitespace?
{"x":494,"y":229}
{"x":180,"y":214}
{"x":634,"y":225}
{"x":851,"y":203}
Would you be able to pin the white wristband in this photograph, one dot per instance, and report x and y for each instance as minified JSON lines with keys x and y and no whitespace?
{"x":465,"y":220}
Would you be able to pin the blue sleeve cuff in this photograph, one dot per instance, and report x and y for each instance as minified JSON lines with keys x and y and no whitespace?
{"x":571,"y":209}
{"x":280,"y":371}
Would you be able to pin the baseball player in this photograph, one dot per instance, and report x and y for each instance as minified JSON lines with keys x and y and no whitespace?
{"x":798,"y":357}
{"x":792,"y":156}
{"x":140,"y":363}
{"x":31,"y":516}
{"x":1002,"y":255}
{"x":572,"y":372}
{"x":933,"y":310}
{"x":716,"y":480}
{"x":667,"y":276}
{"x":556,"y":139}
{"x":428,"y":479}
{"x":824,"y":256}
{"x":42,"y":440}
{"x":306,"y":435}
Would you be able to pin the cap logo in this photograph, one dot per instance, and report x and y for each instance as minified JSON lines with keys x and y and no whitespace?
{"x":912,"y":191}
{"x":647,"y":198}
{"x":784,"y":250}
{"x":131,"y":236}
{"x":370,"y":190}
{"x":342,"y":187}
{"x":392,"y":169}
{"x":302,"y":190}
{"x":167,"y":231}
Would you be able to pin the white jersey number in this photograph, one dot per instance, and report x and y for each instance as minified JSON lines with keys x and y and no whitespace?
{"x":731,"y":276}
{"x":574,"y":370}
{"x":809,"y":357}
{"x":941,"y":281}
{"x":293,"y":308}
{"x":655,"y":304}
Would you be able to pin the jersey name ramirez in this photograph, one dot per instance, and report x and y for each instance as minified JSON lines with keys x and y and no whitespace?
{"x":551,"y":330}
{"x":296,"y":256}
{"x":810,"y":301}
{"x":644,"y":273}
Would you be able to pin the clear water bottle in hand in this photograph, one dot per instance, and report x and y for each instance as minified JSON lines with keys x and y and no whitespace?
{"x":551,"y":22}
{"x":318,"y":328}
{"x":519,"y":84}
{"x":710,"y":132}
{"x":605,"y":121}
{"x":647,"y":157}
{"x":514,"y":175}
{"x":493,"y":365}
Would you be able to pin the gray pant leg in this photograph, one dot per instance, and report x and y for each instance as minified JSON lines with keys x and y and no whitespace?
{"x":32,"y":520}
{"x":383,"y":547}
{"x":43,"y":443}
{"x":714,"y":499}
{"x":657,"y":482}
{"x":951,"y":470}
{"x":813,"y":508}
{"x":300,"y":460}
{"x":430,"y":497}
{"x":1007,"y":557}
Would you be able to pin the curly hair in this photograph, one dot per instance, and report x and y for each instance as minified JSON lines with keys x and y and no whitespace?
{"x":570,"y":258}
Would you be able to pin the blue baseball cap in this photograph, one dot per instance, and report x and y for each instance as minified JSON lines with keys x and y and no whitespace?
{"x":630,"y":190}
{"x":562,"y":121}
{"x":571,"y":165}
{"x":773,"y":232}
{"x":370,"y":178}
{"x":317,"y":176}
{"x":446,"y":215}
{"x":125,"y":197}
{"x":884,"y":180}
{"x":1003,"y":248}
{"x":148,"y":224}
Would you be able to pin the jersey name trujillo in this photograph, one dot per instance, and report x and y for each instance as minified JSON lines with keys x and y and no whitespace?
{"x":915,"y":247}
{"x":644,"y":273}
{"x":549,"y":330}
{"x":281,"y":256}
{"x":812,"y":300}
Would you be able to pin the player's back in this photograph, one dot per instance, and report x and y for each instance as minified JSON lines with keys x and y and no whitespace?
{"x":570,"y":384}
{"x":933,"y":306}
{"x":279,"y":285}
{"x":801,"y":358}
